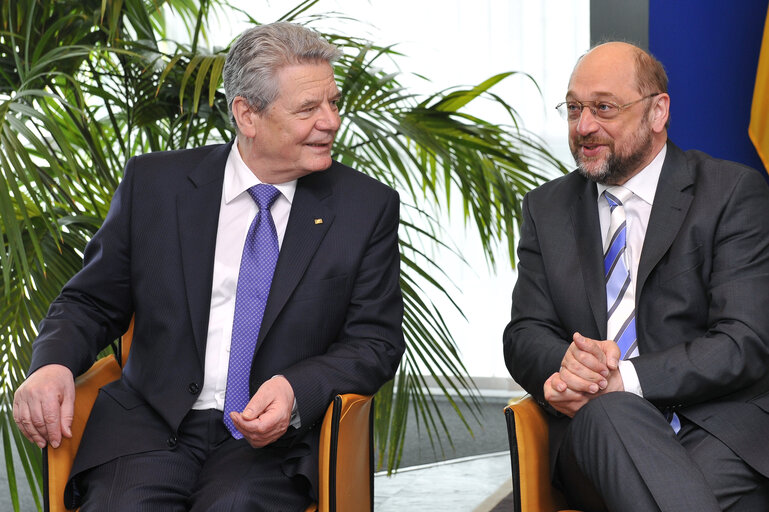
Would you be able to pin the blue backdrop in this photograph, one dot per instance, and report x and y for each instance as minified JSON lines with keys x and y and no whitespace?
{"x":710,"y":51}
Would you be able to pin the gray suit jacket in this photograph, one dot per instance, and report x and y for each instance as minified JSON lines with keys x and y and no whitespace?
{"x":702,"y":295}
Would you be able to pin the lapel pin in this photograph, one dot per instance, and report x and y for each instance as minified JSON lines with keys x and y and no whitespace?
{"x":318,"y":221}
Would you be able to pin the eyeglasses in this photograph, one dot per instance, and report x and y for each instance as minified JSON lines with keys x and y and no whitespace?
{"x":572,"y":110}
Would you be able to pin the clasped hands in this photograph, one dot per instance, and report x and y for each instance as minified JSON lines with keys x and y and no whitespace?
{"x":44,"y":403}
{"x":589,"y":369}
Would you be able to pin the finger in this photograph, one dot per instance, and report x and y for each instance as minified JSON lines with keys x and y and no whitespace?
{"x":51,"y":412}
{"x":590,"y":353}
{"x":567,"y":402}
{"x":589,"y":345}
{"x":36,"y":425}
{"x":22,"y":417}
{"x":252,"y":431}
{"x":67,"y":412}
{"x":556,"y":384}
{"x":613,"y":353}
{"x":585,"y":366}
{"x":549,"y":389}
{"x":577,"y":382}
{"x":256,"y":406}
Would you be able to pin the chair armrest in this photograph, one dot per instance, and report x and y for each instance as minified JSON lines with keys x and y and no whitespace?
{"x":346,"y":462}
{"x":59,"y":460}
{"x":529,"y":453}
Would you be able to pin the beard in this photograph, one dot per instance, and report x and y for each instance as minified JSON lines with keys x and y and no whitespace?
{"x":617,"y":167}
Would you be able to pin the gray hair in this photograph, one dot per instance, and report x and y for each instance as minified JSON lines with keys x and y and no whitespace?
{"x":256,"y":56}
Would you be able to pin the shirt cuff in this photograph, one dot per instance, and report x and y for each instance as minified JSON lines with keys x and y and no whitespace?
{"x":296,"y":422}
{"x":630,"y":378}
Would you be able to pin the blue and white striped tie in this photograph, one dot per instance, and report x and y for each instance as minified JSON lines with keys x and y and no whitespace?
{"x":620,"y":291}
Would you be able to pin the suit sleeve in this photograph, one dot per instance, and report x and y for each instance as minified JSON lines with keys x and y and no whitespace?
{"x":95,"y":306}
{"x":535,"y":341}
{"x":731,"y":351}
{"x":370,"y":343}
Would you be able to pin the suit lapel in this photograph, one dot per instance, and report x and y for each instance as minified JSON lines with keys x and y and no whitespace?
{"x":671,"y":204}
{"x":198,"y":218}
{"x":309,"y":221}
{"x":587,"y":232}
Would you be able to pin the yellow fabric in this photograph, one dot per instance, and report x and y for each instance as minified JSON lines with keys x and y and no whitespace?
{"x":759,"y":113}
{"x":60,"y":460}
{"x":531,"y":432}
{"x":345,"y":466}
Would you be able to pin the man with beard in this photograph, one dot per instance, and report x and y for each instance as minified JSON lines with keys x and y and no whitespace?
{"x":639,"y":316}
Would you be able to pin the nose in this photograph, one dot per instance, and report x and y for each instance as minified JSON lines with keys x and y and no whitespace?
{"x":586,"y":124}
{"x":329,"y":119}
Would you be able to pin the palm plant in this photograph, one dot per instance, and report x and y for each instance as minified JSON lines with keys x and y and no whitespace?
{"x":85,"y":84}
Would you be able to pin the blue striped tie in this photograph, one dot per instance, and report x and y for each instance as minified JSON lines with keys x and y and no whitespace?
{"x":620,"y":291}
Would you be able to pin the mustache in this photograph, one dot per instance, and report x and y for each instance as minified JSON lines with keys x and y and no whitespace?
{"x":590,"y":141}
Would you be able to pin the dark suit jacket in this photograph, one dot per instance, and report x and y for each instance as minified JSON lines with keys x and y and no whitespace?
{"x":702,"y":295}
{"x":332,"y":323}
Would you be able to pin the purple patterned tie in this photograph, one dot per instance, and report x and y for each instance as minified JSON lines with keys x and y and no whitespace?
{"x":260,"y":253}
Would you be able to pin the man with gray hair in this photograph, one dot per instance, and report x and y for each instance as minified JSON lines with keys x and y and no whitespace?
{"x":263,"y":278}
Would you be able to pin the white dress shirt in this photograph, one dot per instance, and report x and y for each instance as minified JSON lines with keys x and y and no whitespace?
{"x":235,"y":216}
{"x":637,"y":211}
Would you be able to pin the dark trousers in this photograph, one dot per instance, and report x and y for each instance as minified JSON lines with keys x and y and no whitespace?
{"x":621,"y":454}
{"x":207,"y":470}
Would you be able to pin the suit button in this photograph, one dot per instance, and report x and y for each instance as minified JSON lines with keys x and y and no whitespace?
{"x":193,"y":388}
{"x":171,"y":441}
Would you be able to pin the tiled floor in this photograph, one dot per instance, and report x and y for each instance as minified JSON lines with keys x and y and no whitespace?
{"x":470,"y":484}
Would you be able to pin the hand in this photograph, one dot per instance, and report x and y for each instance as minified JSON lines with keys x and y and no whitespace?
{"x":588,"y":364}
{"x":44,"y":404}
{"x":268,"y":414}
{"x":568,"y":401}
{"x":563,"y":399}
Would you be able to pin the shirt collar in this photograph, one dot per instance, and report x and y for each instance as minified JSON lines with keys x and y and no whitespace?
{"x":238,"y":178}
{"x":644,"y":184}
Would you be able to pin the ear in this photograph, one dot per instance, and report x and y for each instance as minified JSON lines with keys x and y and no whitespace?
{"x":244,"y":117}
{"x":660,"y":112}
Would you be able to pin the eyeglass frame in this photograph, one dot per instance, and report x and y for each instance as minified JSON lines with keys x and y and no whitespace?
{"x":586,"y":104}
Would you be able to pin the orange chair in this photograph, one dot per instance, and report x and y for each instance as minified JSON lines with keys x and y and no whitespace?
{"x":528,"y":436}
{"x":346,"y":460}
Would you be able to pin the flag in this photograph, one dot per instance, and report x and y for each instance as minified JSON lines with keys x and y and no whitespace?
{"x":759,"y":112}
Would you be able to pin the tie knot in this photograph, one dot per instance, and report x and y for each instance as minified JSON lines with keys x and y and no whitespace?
{"x":617,"y":196}
{"x":264,"y":195}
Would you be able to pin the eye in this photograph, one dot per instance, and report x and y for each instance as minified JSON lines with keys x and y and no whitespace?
{"x":605,"y":107}
{"x":573,"y":106}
